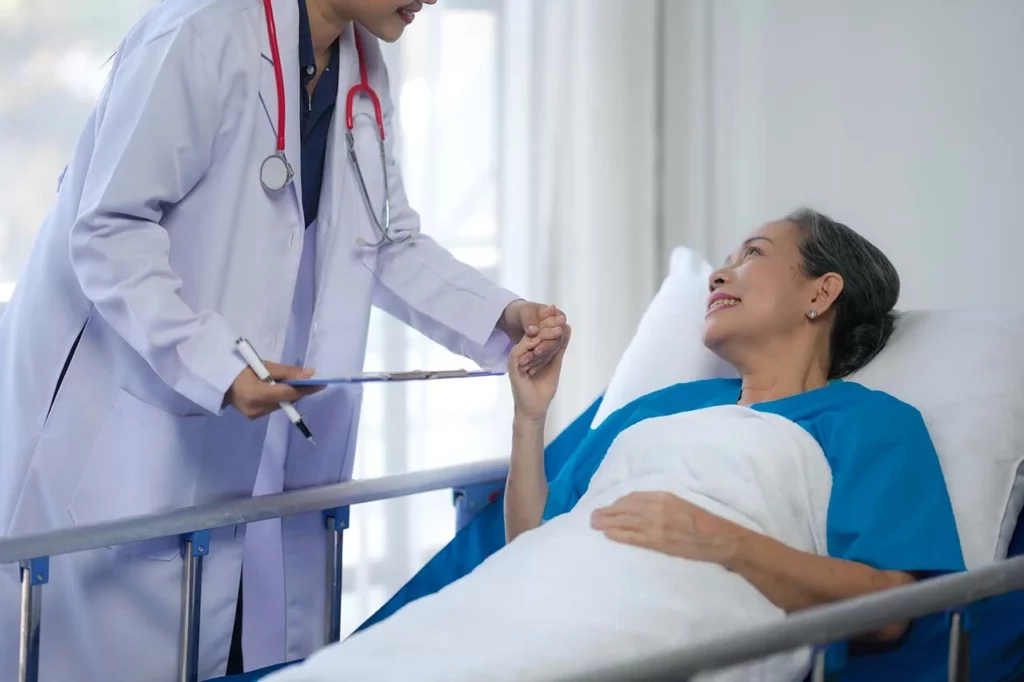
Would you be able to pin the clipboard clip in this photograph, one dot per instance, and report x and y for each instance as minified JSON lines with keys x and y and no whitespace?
{"x":423,"y":375}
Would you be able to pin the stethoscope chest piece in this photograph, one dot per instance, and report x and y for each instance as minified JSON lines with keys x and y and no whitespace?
{"x":276,"y":173}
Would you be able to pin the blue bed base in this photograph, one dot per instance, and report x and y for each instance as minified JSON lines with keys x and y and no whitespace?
{"x":995,"y":626}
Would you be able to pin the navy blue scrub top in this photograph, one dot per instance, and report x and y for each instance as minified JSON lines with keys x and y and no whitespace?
{"x":317,"y":112}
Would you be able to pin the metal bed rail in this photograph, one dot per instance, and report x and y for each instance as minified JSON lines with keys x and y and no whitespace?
{"x":839,"y":622}
{"x":471,"y":484}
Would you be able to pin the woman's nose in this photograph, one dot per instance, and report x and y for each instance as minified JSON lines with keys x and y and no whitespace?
{"x":718,"y":278}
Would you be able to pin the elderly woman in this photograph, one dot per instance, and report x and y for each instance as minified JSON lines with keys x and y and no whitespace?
{"x":704,"y":507}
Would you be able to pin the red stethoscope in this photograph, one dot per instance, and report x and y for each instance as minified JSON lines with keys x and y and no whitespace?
{"x":276,"y":173}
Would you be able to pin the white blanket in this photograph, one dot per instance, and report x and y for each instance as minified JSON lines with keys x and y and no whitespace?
{"x":563,"y":599}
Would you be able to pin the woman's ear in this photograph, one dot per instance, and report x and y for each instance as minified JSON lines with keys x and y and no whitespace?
{"x":829,"y":286}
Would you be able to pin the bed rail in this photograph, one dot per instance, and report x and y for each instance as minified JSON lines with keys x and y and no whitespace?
{"x":811,"y":628}
{"x":33,"y":552}
{"x":838,"y":622}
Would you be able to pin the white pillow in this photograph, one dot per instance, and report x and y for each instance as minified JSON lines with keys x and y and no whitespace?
{"x":667,"y":347}
{"x":961,"y":369}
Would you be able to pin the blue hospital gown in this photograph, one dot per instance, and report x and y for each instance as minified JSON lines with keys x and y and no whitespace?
{"x":889,"y":506}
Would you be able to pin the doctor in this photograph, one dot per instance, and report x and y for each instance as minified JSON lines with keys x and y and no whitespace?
{"x":183,"y":222}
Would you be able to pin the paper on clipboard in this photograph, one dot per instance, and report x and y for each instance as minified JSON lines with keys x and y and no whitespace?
{"x":414,"y":375}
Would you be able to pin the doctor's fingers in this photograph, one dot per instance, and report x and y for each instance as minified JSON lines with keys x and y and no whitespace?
{"x":288,"y":372}
{"x":554,"y":321}
{"x":267,"y":398}
{"x":544,"y":353}
{"x":530,"y":343}
{"x":549,"y":313}
{"x":554,"y":356}
{"x":543,"y":344}
{"x":541,"y":319}
{"x":293,"y":373}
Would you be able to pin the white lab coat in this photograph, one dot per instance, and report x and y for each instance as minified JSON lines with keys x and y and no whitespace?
{"x":161,"y":249}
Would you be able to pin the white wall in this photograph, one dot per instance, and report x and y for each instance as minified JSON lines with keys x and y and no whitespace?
{"x":903,"y":119}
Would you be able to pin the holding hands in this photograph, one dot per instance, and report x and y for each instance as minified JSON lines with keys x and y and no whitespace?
{"x":541,"y":323}
{"x":536,"y":361}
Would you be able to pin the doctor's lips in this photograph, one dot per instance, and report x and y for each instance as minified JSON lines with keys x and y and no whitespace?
{"x":719,"y":300}
{"x":408,"y":12}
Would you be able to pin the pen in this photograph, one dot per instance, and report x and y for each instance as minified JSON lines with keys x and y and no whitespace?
{"x":256,"y":365}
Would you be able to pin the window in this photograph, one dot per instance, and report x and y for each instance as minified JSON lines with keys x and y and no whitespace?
{"x":448,"y":79}
{"x":54,"y":55}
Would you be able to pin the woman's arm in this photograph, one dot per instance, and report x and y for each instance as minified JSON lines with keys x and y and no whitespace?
{"x":526,"y":490}
{"x":795,"y":580}
{"x":790,"y":579}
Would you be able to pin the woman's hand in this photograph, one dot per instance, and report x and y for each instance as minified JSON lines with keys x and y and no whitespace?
{"x":670,"y":525}
{"x":791,"y":579}
{"x":533,"y":387}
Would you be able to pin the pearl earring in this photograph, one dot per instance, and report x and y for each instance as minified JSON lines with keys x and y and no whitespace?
{"x":812,"y":314}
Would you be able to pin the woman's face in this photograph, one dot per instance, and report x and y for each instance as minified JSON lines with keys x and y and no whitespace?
{"x":385,"y":19}
{"x":761,"y":292}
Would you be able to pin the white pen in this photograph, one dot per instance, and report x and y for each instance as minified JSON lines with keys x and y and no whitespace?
{"x":256,"y":365}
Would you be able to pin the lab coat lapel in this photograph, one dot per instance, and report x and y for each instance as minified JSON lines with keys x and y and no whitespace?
{"x":336,"y":168}
{"x":286,"y":16}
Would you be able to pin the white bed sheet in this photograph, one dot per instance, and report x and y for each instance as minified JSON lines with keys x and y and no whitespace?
{"x":563,"y":599}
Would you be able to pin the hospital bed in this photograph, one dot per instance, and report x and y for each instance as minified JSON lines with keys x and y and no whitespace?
{"x":961,"y":369}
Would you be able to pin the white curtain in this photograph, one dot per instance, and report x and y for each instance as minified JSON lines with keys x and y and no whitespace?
{"x":594,"y":212}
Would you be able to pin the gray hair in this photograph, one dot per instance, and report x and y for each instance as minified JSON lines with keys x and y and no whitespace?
{"x":864,"y":316}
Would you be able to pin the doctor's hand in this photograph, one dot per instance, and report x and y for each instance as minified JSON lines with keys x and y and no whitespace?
{"x":533,"y":389}
{"x":522,"y":319}
{"x":668,"y":524}
{"x":255,"y":399}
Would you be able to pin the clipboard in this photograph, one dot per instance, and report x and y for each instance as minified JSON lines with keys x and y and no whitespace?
{"x":375,"y":377}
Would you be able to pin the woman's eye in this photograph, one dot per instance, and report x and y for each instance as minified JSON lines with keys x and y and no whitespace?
{"x":750,"y":250}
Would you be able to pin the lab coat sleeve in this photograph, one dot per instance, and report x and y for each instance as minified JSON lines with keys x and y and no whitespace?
{"x":422,"y":284}
{"x":154,"y":141}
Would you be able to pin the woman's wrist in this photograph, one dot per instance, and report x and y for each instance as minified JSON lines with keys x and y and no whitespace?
{"x":742,"y":552}
{"x":525,"y":423}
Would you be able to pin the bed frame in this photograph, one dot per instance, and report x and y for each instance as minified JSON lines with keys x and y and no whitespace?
{"x":473,"y":486}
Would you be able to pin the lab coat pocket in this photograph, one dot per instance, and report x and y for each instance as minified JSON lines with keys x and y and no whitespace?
{"x":144,"y":461}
